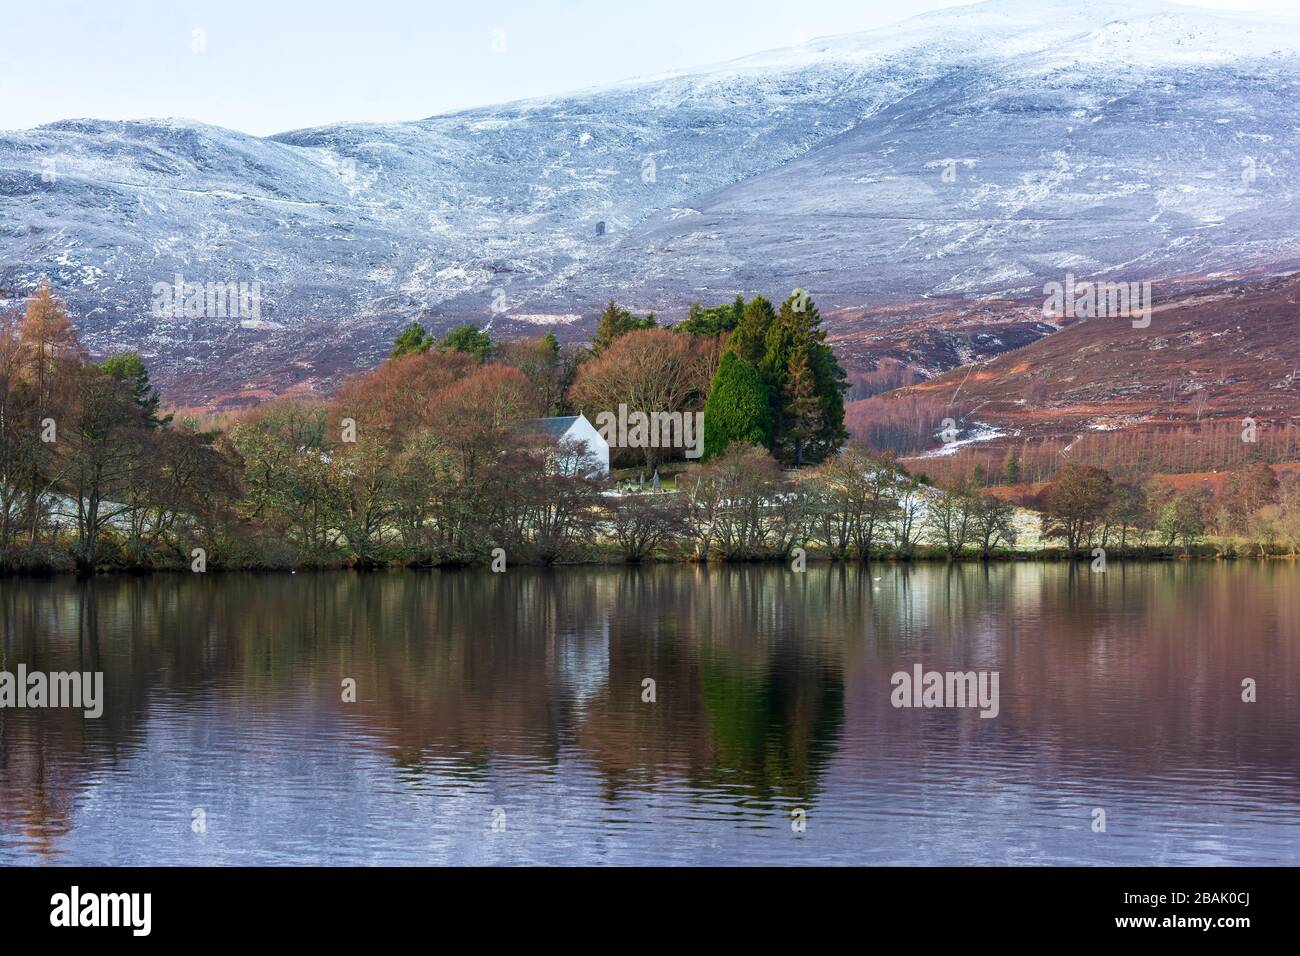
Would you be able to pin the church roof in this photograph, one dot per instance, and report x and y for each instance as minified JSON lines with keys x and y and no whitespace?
{"x":556,"y":426}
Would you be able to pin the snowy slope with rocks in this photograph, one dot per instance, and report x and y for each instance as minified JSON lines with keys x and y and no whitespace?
{"x":970,"y":152}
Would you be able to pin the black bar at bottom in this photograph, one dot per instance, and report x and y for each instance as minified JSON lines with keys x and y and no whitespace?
{"x":335,"y":905}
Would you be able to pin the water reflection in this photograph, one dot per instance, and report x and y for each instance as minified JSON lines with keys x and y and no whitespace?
{"x":523,"y":693}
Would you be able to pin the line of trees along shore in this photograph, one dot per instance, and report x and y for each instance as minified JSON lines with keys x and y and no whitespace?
{"x":427,"y":459}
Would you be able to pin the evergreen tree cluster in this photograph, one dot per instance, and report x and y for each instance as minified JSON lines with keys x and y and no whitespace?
{"x":468,"y":340}
{"x":416,"y":340}
{"x":779,"y":382}
{"x":711,"y":321}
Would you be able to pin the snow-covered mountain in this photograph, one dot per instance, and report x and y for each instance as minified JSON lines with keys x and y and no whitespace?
{"x":975,"y":151}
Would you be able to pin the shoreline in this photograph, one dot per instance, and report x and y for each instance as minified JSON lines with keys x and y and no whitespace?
{"x":1151,"y":555}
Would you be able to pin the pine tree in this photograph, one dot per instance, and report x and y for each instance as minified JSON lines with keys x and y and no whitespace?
{"x":1011,"y":471}
{"x":616,"y":321}
{"x":414,"y":340}
{"x":708,"y":323}
{"x":467,"y":339}
{"x":128,"y":367}
{"x":798,"y":326}
{"x":803,"y":410}
{"x":737,"y":408}
{"x":750,"y":338}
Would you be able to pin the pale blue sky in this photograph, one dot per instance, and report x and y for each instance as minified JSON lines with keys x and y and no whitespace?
{"x":272,"y":66}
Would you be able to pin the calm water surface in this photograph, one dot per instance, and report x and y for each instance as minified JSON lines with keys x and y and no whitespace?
{"x":517,"y":698}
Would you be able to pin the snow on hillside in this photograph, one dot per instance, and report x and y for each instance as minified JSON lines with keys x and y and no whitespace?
{"x":966,"y":152}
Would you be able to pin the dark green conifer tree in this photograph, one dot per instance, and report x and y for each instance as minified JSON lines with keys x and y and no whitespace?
{"x":414,"y":340}
{"x":737,"y":408}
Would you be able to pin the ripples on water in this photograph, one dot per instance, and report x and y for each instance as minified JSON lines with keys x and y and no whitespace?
{"x":521,"y":694}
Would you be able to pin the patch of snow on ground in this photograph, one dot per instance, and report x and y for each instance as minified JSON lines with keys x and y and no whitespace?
{"x":544,"y":318}
{"x":980,"y":433}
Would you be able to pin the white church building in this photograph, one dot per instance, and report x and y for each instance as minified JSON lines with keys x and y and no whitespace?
{"x":576,"y":427}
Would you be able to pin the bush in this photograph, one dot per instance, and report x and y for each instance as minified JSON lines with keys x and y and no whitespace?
{"x":36,"y":559}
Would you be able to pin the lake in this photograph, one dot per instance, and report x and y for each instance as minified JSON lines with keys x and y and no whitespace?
{"x":506,"y":718}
